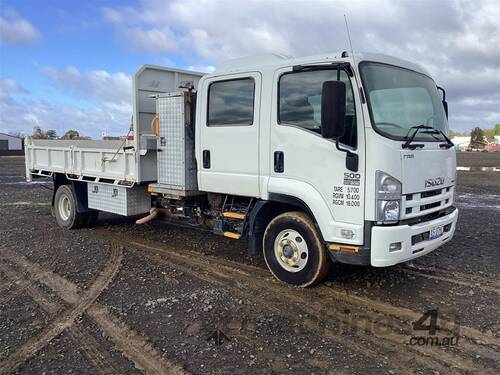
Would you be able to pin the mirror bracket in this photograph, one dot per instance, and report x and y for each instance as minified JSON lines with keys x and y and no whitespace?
{"x":351,"y":160}
{"x":445,"y":103}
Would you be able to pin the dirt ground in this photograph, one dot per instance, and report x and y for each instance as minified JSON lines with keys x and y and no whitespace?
{"x":123,"y":299}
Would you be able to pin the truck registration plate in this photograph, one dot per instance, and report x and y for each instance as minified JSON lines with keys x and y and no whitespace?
{"x":436,"y":232}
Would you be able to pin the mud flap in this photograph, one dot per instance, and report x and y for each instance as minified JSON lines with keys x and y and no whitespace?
{"x":361,"y":258}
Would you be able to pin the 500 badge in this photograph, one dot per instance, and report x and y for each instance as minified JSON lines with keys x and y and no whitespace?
{"x":352,"y":178}
{"x":349,"y":193}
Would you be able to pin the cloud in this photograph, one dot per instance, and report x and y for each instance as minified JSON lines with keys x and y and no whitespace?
{"x":16,"y":30}
{"x":201,"y":68}
{"x":97,"y":85}
{"x":153,"y":40}
{"x":457,"y":41}
{"x":110,"y":112}
{"x":8,"y":86}
{"x":150,"y":39}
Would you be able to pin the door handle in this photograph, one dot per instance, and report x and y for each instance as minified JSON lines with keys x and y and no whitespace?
{"x":206,"y":159}
{"x":279,"y":162}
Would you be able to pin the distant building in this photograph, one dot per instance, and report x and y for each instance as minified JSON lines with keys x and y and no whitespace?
{"x":10,"y":142}
{"x":117,"y":137}
{"x":461,"y":143}
{"x":493,"y":146}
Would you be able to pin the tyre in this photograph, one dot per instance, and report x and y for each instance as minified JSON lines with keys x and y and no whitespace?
{"x":66,"y":213}
{"x":293,"y":250}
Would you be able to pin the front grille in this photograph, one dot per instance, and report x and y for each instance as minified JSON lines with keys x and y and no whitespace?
{"x":418,"y":204}
{"x":428,"y":217}
{"x":427,"y":194}
{"x":429,"y":206}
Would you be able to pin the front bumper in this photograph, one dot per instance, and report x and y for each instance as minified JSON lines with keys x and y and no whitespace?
{"x":413,"y":238}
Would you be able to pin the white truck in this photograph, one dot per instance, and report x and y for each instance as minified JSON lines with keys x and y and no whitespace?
{"x":336,"y":157}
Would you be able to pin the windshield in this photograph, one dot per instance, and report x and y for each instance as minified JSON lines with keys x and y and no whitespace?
{"x":400,"y":98}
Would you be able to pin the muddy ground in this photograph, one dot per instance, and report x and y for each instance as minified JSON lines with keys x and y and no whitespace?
{"x":123,"y":299}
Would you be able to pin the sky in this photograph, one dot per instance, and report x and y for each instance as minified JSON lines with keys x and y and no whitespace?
{"x":68,"y":64}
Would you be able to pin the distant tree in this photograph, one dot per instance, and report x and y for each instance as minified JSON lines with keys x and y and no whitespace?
{"x":497,"y":129}
{"x":71,"y":134}
{"x":51,"y":134}
{"x":477,"y":138}
{"x":489,"y":134}
{"x":38,"y":133}
{"x":456,"y":133}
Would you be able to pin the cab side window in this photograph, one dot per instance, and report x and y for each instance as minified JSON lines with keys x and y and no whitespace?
{"x":300,"y":101}
{"x":231,"y":102}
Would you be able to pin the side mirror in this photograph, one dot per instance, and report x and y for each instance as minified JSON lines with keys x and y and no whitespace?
{"x":333,"y":109}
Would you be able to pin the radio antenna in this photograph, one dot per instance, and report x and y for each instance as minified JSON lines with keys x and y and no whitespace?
{"x":349,"y":36}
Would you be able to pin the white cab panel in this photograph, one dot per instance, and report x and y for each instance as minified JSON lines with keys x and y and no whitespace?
{"x":234,"y":150}
{"x":315,"y":172}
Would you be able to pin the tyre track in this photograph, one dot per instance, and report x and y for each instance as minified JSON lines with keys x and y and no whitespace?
{"x":21,"y":283}
{"x":90,"y":346}
{"x":131,"y":344}
{"x":269,"y":296}
{"x":322,"y":291}
{"x":392,"y":340}
{"x":460,"y":279}
{"x":94,"y":351}
{"x":226,"y":273}
{"x":66,"y":319}
{"x":223,"y":280}
{"x":18,"y":282}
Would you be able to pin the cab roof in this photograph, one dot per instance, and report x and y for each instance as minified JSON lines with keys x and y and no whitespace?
{"x":275,"y":61}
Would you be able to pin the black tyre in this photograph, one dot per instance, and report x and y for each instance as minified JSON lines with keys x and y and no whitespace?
{"x":65,"y":210}
{"x":293,"y":250}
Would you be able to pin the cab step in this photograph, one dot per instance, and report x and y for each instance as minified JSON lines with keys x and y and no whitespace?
{"x":234,"y":215}
{"x":236,"y":236}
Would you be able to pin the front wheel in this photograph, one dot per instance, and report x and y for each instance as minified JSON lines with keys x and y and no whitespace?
{"x":293,"y":250}
{"x":67,"y":215}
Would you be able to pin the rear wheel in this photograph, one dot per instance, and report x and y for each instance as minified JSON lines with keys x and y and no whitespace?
{"x":293,"y":250}
{"x":65,"y":209}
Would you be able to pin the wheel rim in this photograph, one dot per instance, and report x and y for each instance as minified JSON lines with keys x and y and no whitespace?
{"x":64,"y":208}
{"x":290,"y":249}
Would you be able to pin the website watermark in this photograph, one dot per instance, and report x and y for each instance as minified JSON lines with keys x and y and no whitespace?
{"x":428,"y":322}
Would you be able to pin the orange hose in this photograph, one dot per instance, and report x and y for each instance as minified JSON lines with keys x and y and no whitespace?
{"x":153,"y":213}
{"x":155,"y":126}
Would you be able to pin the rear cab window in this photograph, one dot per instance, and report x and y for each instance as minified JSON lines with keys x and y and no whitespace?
{"x":231,"y":102}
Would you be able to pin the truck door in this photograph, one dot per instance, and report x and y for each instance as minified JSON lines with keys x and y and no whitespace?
{"x":309,"y":167}
{"x":228,"y":152}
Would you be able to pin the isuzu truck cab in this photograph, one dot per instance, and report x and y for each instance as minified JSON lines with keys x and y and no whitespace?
{"x":336,"y":157}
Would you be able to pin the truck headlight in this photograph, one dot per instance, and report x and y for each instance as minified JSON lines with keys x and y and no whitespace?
{"x":388,"y":204}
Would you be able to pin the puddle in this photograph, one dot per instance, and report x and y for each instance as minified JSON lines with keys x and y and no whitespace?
{"x":25,"y":183}
{"x":22,"y":203}
{"x":11,"y":178}
{"x":479,"y":169}
{"x":486,"y":201}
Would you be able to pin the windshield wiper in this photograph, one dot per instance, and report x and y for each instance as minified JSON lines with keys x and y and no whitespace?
{"x":409,"y":139}
{"x":428,"y":130}
{"x":448,"y":143}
